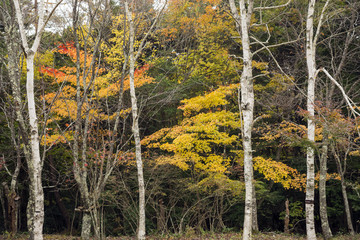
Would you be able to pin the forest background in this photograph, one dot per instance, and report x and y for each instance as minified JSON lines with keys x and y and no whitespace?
{"x":111,"y":75}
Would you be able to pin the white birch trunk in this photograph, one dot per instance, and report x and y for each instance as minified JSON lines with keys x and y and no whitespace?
{"x":310,"y":158}
{"x":35,"y":165}
{"x":36,"y":198}
{"x":247,"y":109}
{"x":135,"y":127}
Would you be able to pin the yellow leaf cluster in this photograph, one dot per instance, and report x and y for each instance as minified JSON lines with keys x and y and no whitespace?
{"x":213,"y":99}
{"x":53,"y":137}
{"x":194,"y":141}
{"x":279,"y":172}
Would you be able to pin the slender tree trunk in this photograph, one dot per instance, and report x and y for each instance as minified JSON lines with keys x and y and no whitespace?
{"x":9,"y":208}
{"x":322,"y":189}
{"x":161,"y":218}
{"x":255,"y":224}
{"x":347,"y":207}
{"x":341,"y":171}
{"x":11,"y":219}
{"x":80,"y":164}
{"x":3,"y":204}
{"x":221,"y":224}
{"x":310,"y":159}
{"x":135,"y":126}
{"x":13,"y":49}
{"x":287,"y":217}
{"x":13,"y":69}
{"x":13,"y":186}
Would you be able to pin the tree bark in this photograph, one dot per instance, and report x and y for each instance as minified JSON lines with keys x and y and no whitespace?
{"x":247,"y":108}
{"x":11,"y":209}
{"x":322,"y":189}
{"x":347,"y":207}
{"x":35,"y":164}
{"x":135,"y":126}
{"x":255,"y":224}
{"x":310,"y":158}
{"x":246,"y":105}
{"x":86,"y":225}
{"x":287,"y":217}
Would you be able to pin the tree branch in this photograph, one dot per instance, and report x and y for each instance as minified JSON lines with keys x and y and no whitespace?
{"x":349,"y":102}
{"x":272,"y":7}
{"x":320,"y":23}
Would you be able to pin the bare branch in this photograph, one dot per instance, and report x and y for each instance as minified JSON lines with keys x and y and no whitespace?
{"x":52,"y":12}
{"x":21,"y":25}
{"x":349,"y":102}
{"x":143,"y":41}
{"x":320,"y":23}
{"x":272,"y":7}
{"x":272,"y":46}
{"x":235,"y":15}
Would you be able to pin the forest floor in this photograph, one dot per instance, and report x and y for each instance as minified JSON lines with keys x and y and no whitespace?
{"x":206,"y":236}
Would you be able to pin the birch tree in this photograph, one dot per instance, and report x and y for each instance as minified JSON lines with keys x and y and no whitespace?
{"x":246,"y":106}
{"x":242,"y":18}
{"x":133,"y":55}
{"x":310,"y":160}
{"x":311,"y":41}
{"x":35,"y":162}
